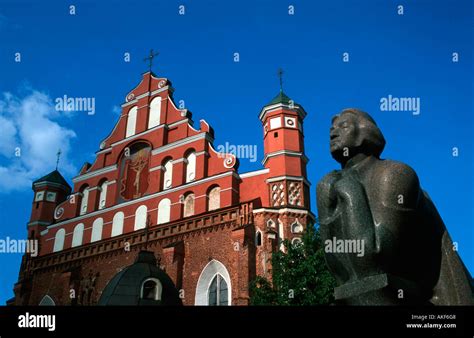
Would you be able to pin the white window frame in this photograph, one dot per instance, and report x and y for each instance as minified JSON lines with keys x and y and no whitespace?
{"x":84,"y":201}
{"x":131,"y":121}
{"x":77,"y":235}
{"x":117,"y":224}
{"x":168,"y":175}
{"x":141,"y":215}
{"x":155,"y":112}
{"x":103,"y":195}
{"x":97,"y":228}
{"x":59,"y":240}
{"x":159,"y":288}
{"x":190,"y":167}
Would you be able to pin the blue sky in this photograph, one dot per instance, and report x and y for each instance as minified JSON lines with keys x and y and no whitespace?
{"x":82,"y":55}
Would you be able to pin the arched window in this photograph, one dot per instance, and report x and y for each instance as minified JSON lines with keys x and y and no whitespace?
{"x":59,"y":240}
{"x":117,"y":224}
{"x":214,"y":286}
{"x":270,"y":223}
{"x":164,"y":211}
{"x":131,"y":122}
{"x":188,"y":205}
{"x":190,"y":167}
{"x":218,"y":292}
{"x":97,"y":227}
{"x":167,"y":174}
{"x":258,"y":238}
{"x":103,"y":195}
{"x":296,"y":241}
{"x":151,"y":289}
{"x":47,"y":301}
{"x":214,"y":198}
{"x":140,"y":217}
{"x":155,"y":112}
{"x":296,"y":227}
{"x":84,"y":201}
{"x":77,"y":235}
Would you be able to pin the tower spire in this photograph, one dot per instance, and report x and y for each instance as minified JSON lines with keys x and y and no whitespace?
{"x":280,"y":76}
{"x":58,"y":155}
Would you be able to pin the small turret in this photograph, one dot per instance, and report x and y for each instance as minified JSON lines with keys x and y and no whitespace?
{"x":50,"y":190}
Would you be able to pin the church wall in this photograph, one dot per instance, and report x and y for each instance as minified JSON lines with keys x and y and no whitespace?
{"x":188,"y":247}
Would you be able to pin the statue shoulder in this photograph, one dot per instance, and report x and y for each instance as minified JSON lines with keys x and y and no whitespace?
{"x":397,"y":181}
{"x":325,"y":187}
{"x":328,"y":180}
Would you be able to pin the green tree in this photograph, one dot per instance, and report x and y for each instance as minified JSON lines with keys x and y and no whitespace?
{"x":300,"y":275}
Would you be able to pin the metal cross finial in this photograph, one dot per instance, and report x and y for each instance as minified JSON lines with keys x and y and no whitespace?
{"x":280,"y":75}
{"x":149,"y":58}
{"x":58,"y":154}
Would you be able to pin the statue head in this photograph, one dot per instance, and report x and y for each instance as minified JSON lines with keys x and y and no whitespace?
{"x":352,"y":132}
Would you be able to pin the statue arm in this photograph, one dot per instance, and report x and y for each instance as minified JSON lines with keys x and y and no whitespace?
{"x":326,"y":198}
{"x":398,"y":194}
{"x":357,"y":213}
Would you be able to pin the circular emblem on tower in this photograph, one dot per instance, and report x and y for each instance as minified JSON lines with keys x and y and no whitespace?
{"x":230,"y":161}
{"x":130,"y":97}
{"x":58,"y":213}
{"x":161,"y":84}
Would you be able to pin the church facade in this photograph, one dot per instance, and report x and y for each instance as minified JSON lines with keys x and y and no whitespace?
{"x":158,"y":185}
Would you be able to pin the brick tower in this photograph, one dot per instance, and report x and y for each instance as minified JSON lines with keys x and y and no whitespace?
{"x":287,"y":212}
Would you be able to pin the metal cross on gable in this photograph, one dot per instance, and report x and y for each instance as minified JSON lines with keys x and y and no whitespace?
{"x":149,"y":58}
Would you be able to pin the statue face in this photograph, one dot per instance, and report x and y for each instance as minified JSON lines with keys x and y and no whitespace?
{"x":342,"y":135}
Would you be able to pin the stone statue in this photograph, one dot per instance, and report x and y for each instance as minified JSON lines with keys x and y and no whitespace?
{"x":385,"y":242}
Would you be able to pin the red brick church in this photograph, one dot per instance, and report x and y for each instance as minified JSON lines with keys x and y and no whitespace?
{"x":161,"y":217}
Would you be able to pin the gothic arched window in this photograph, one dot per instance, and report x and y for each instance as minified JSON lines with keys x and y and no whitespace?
{"x":59,"y":240}
{"x":77,"y":235}
{"x":97,"y":227}
{"x":218,"y":292}
{"x":190,"y":167}
{"x":103,"y":195}
{"x":296,"y":227}
{"x":84,"y":201}
{"x":258,"y":238}
{"x":155,"y":112}
{"x":188,"y":205}
{"x":214,"y":198}
{"x":214,"y":285}
{"x":131,"y":122}
{"x":296,"y":241}
{"x":164,"y":211}
{"x":168,"y":174}
{"x":117,"y":224}
{"x":140,"y":217}
{"x":47,"y":301}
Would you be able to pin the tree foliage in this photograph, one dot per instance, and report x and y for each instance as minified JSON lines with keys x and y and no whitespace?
{"x":299,"y":277}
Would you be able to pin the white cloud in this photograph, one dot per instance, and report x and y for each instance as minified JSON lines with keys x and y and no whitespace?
{"x":116,"y":110}
{"x":29,"y":129}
